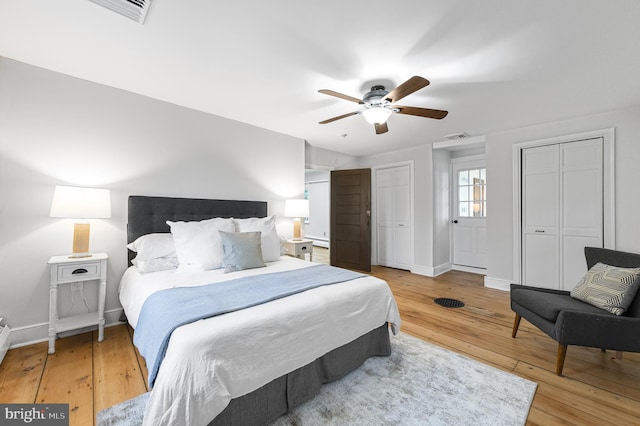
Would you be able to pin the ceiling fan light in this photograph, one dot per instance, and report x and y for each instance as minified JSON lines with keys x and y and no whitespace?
{"x":376,"y":115}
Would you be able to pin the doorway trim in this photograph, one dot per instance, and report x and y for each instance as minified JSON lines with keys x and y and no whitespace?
{"x":374,"y":208}
{"x":608,"y":188}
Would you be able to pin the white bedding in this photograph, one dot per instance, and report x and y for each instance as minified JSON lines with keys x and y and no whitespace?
{"x":211,"y":361}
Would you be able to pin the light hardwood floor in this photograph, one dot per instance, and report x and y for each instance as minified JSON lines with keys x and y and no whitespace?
{"x":596,"y":389}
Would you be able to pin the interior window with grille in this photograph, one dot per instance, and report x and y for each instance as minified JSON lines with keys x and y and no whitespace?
{"x":472,"y":193}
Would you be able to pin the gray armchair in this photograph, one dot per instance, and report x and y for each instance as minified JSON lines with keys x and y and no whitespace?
{"x":572,"y":322}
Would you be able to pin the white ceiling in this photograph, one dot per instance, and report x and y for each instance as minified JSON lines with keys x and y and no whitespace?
{"x":494,"y":65}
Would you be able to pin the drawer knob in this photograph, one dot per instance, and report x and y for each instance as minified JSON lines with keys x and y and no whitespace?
{"x":79,"y":271}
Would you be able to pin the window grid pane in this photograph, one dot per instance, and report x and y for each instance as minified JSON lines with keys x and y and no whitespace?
{"x":472,"y":193}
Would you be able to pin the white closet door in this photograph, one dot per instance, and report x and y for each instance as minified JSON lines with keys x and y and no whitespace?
{"x":582,"y":200}
{"x":384,"y":217}
{"x":562,"y":207}
{"x":393,"y":217}
{"x":402,"y":217}
{"x":540,"y":208}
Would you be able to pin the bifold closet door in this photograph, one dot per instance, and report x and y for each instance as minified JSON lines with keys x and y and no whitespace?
{"x":562,"y":211}
{"x":393,"y":217}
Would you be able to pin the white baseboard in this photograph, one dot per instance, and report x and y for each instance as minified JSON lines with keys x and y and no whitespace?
{"x":481,"y":271}
{"x":422,"y":270}
{"x":36,"y":333}
{"x":497,"y":283}
{"x":441,"y":269}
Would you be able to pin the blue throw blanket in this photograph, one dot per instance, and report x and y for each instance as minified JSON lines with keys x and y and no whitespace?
{"x":166,"y":310}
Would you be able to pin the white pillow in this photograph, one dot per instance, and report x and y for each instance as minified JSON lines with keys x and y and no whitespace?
{"x":269,"y":239}
{"x":157,"y":264}
{"x":153,"y":246}
{"x":198,"y":244}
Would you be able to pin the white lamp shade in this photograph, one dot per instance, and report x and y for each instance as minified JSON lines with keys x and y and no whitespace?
{"x":296,"y":208}
{"x":376,"y":115}
{"x":81,"y":203}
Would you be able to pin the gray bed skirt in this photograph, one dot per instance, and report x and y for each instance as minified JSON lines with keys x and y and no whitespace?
{"x":272,"y":400}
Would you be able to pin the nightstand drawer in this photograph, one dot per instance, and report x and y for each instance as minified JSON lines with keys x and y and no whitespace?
{"x":84,"y":271}
{"x":299,"y":248}
{"x":304,"y":248}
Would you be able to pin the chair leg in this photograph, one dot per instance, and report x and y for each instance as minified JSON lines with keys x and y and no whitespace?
{"x":562,"y":353}
{"x":516,"y":324}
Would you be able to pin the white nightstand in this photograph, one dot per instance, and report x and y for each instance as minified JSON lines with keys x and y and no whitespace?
{"x":66,"y":270}
{"x":298,"y":248}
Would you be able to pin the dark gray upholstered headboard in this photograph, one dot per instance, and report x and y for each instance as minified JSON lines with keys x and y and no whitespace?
{"x":148,"y":215}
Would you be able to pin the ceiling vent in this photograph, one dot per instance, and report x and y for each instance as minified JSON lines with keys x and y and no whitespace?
{"x":132,"y":9}
{"x":455,"y":136}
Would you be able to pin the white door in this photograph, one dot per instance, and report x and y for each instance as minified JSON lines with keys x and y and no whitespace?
{"x":393,"y":217}
{"x":540,"y":216}
{"x":469,"y":199}
{"x":562,"y":211}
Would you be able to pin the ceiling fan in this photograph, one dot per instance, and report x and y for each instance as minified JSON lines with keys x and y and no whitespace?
{"x":379,"y":104}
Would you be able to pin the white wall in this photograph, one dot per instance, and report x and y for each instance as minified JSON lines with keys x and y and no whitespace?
{"x":55,"y":129}
{"x":441,"y":211}
{"x":326,"y":159}
{"x":500,"y":178}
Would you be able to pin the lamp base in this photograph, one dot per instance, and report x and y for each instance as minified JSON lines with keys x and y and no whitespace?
{"x":296,"y":229}
{"x":80,"y":240}
{"x":79,"y":255}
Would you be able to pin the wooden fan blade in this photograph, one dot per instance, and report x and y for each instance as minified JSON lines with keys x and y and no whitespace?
{"x":408,"y":87}
{"x":381,"y":128}
{"x":340,"y":95}
{"x":438,"y":114}
{"x":329,"y":120}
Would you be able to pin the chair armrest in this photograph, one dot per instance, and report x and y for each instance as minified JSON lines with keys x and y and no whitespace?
{"x":606,"y":331}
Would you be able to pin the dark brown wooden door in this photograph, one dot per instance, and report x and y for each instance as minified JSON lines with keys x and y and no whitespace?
{"x":351,"y":219}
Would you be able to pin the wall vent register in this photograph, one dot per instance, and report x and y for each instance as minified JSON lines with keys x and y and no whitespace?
{"x":132,"y":9}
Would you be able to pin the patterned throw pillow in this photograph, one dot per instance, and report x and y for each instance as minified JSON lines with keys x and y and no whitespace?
{"x":608,"y":287}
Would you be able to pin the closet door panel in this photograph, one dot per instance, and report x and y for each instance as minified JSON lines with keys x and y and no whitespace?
{"x":540,"y":205}
{"x":541,"y":258}
{"x":574,"y":263}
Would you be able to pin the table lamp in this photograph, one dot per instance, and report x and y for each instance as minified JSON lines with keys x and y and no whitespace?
{"x":81,"y":203}
{"x":297,"y":209}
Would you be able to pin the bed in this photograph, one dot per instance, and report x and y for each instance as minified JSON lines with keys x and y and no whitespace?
{"x":252,"y":365}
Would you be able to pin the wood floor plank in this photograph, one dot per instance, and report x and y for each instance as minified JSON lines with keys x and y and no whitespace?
{"x":538,"y":417}
{"x":68,"y":378}
{"x":117,"y":375}
{"x":20,"y":373}
{"x":576,"y":393}
{"x":141,"y":362}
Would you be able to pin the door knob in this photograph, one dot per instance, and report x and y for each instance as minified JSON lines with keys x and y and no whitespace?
{"x":454,"y":221}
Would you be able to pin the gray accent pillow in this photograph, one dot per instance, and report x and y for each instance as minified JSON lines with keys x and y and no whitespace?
{"x":608,"y":287}
{"x":242,"y":250}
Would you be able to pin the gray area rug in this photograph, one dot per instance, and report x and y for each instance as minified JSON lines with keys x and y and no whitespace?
{"x":419,"y":384}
